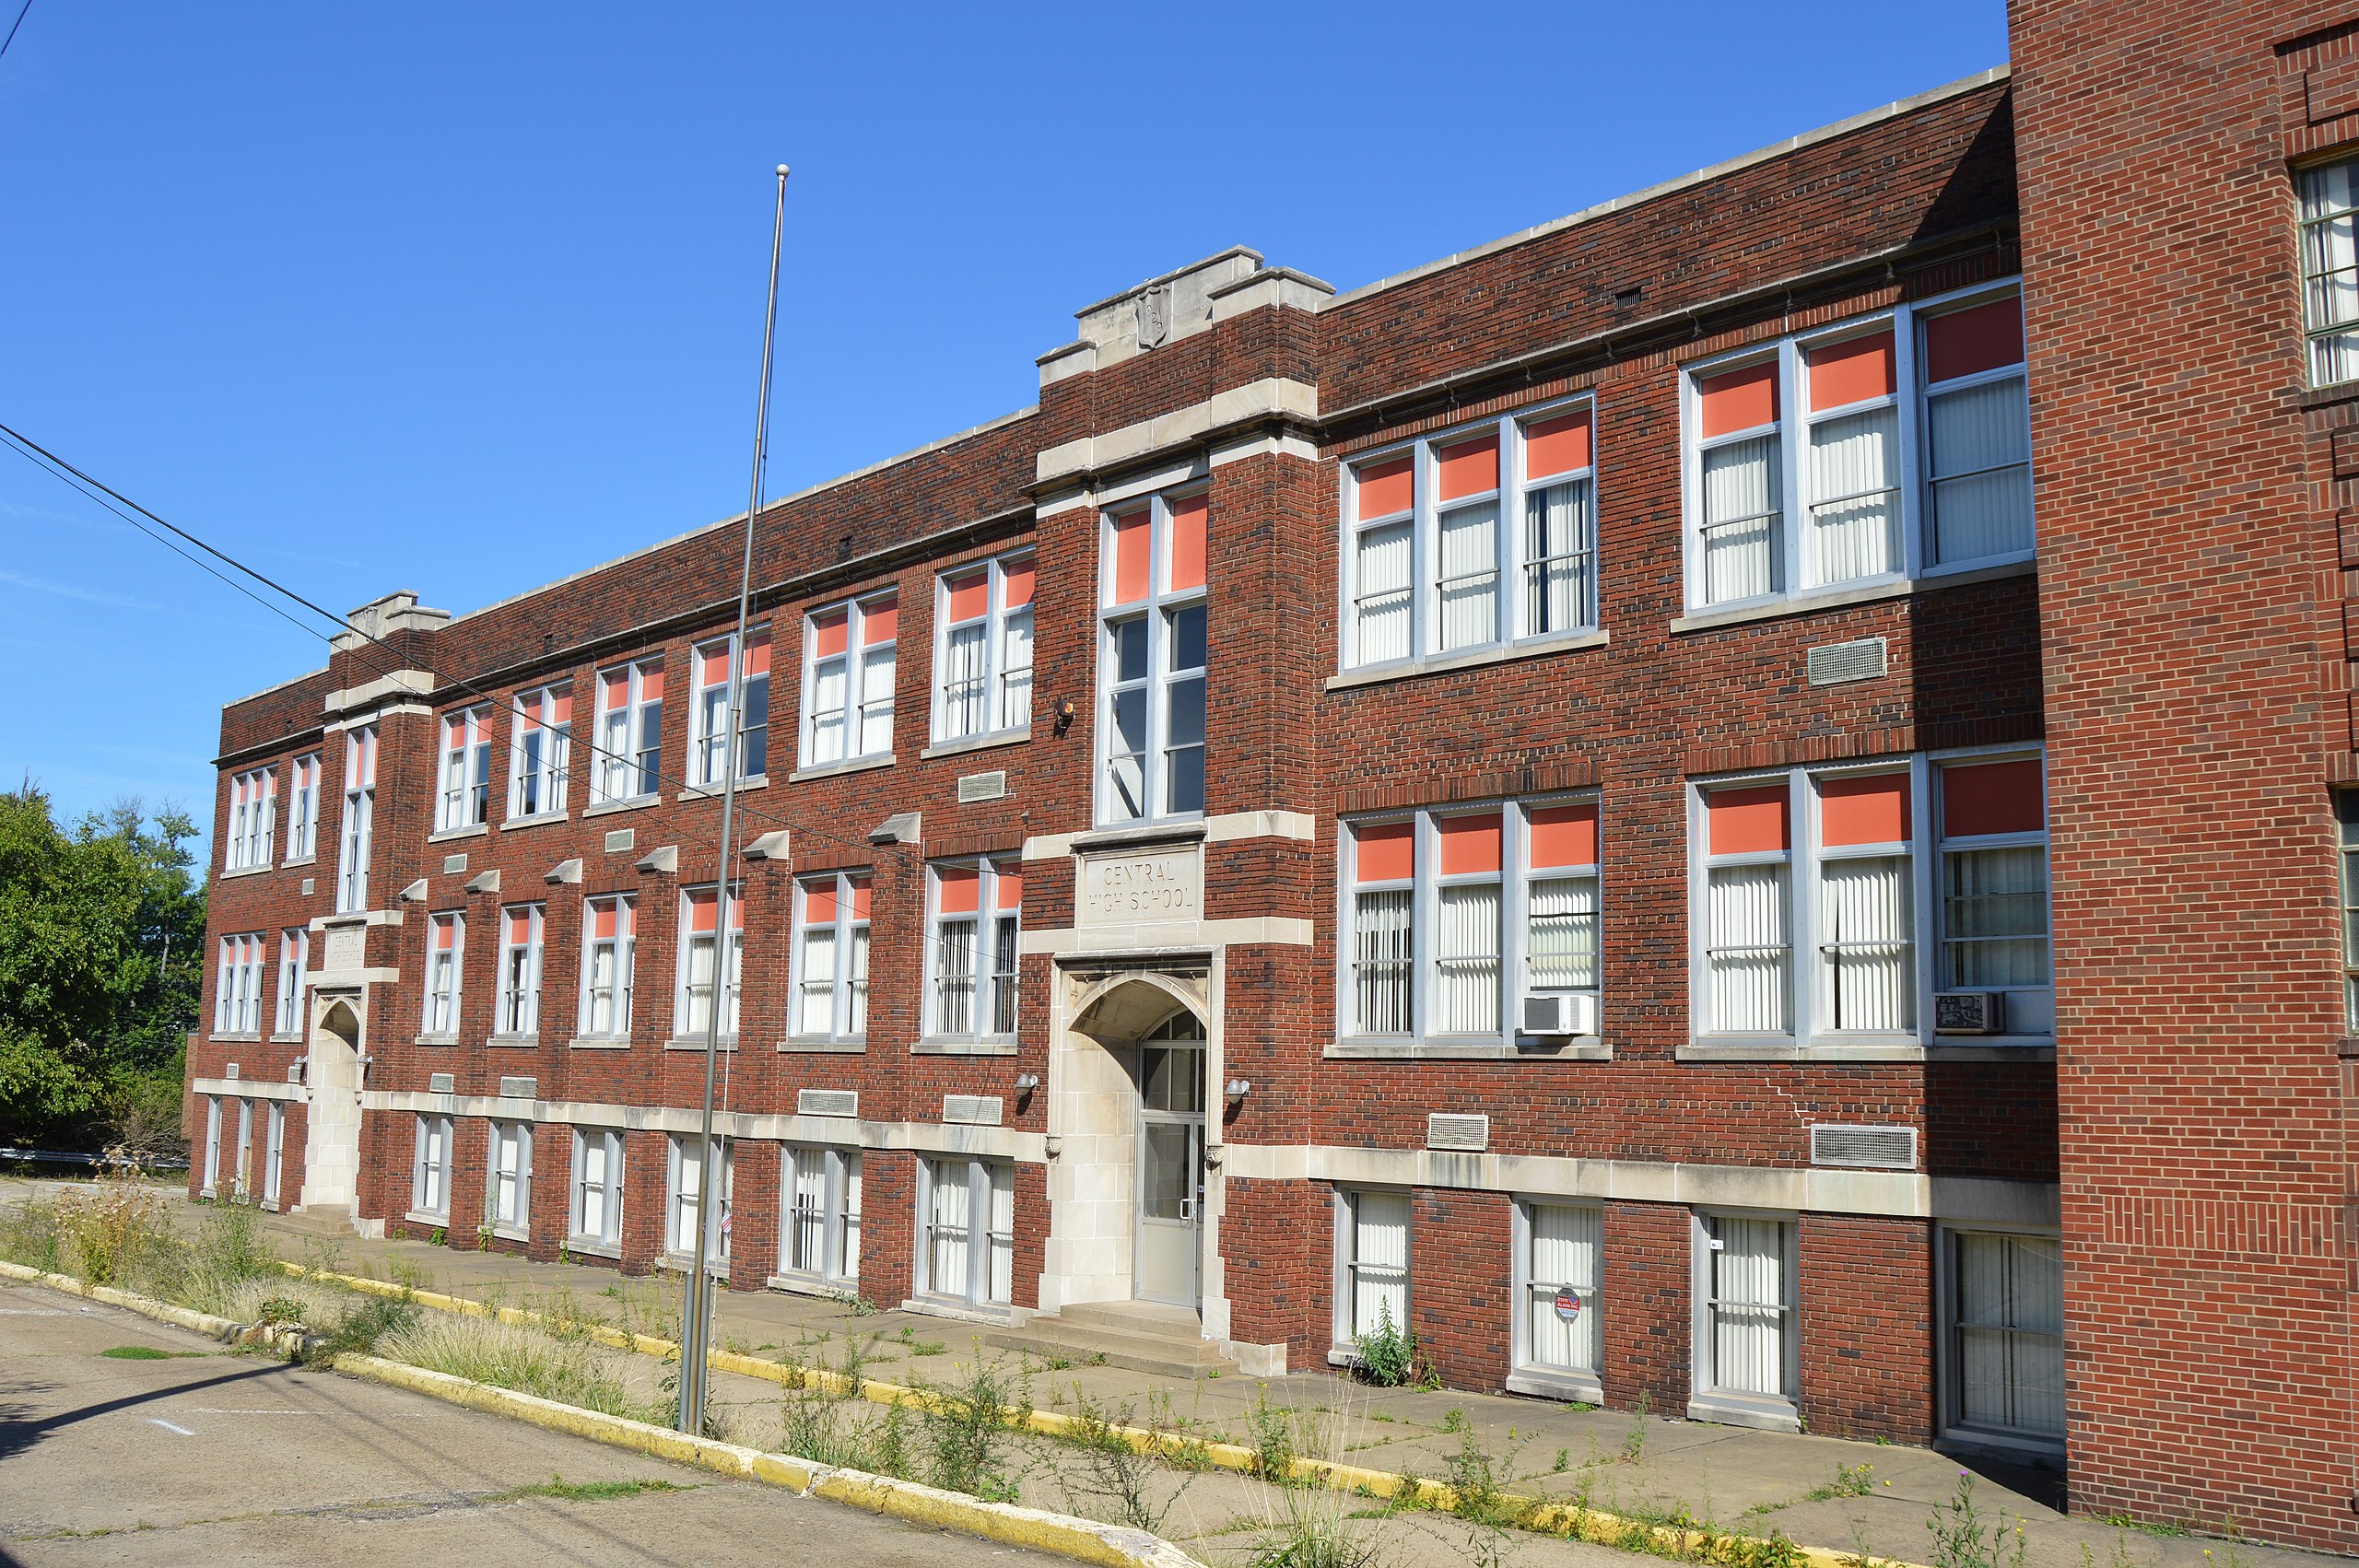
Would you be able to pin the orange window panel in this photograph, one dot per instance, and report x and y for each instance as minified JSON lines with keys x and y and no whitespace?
{"x":1874,"y":809}
{"x":1981,"y":337}
{"x":1188,"y":517}
{"x":970,"y":595}
{"x":1852,"y":372}
{"x":1564,"y":836}
{"x":1385,"y":852}
{"x":1130,"y":536}
{"x":958,"y":890}
{"x":1737,"y":400}
{"x":827,"y":634}
{"x":1467,"y":469}
{"x":1557,"y":446}
{"x":1469,"y":845}
{"x":1746,"y":822}
{"x":1387,"y":486}
{"x":1992,"y":796}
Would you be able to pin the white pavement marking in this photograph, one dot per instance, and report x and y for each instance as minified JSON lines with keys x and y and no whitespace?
{"x":168,"y":1427}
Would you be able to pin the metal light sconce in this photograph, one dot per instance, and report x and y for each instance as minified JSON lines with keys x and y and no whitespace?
{"x":1027,"y":1082}
{"x":1237,"y":1089}
{"x":1064,"y":715}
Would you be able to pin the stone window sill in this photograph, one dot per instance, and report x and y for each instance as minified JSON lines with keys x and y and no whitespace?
{"x":837,"y":770}
{"x":1005,"y":1046}
{"x":436,"y":1040}
{"x":812,"y":1285}
{"x":681,"y":1262}
{"x":608,"y":808}
{"x":966,"y":743}
{"x":590,"y":1247}
{"x":963,"y":1312}
{"x":598,"y":1043}
{"x":529,"y":1040}
{"x":1473,"y":659}
{"x":420,"y":1217}
{"x":511,"y":1232}
{"x":246,"y":871}
{"x":1140,"y":836}
{"x":1739,"y":1410}
{"x":301,"y":860}
{"x":539,"y":819}
{"x":726,"y":1042}
{"x":236,"y":1038}
{"x":1556,"y":1383}
{"x":1885,"y":1049}
{"x":713,"y":792}
{"x":445,"y":835}
{"x":1583,"y":1048}
{"x":1839,"y":598}
{"x":286,"y":1039}
{"x":815,"y":1045}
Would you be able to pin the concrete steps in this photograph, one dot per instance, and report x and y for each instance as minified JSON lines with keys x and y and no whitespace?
{"x":1134,"y":1335}
{"x":319,"y":1220}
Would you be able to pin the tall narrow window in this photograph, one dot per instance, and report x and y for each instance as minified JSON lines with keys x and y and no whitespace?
{"x":709,"y":717}
{"x":542,"y":727}
{"x":210,"y":1179}
{"x":848,"y":680}
{"x":446,"y":940}
{"x":1384,"y":864}
{"x":2330,"y":272}
{"x":508,"y":1184}
{"x":519,"y":970}
{"x":1978,"y":431}
{"x":1853,"y":468}
{"x":984,"y":649}
{"x":1466,"y":924}
{"x":359,"y":814}
{"x":822,"y":1240}
{"x":465,"y":798}
{"x":1383,"y":506}
{"x":243,"y":1178}
{"x":1560,"y":1288}
{"x":253,"y":812}
{"x":294,"y":957}
{"x":303,"y":809}
{"x":1742,"y":538}
{"x":2008,"y":1317}
{"x":236,"y":988}
{"x":703,"y":954}
{"x":1749,"y":1345}
{"x":831,"y":956}
{"x":631,"y":731}
{"x":430,"y":1170}
{"x":1748,"y":955}
{"x":688,"y":1207}
{"x":1466,"y":580}
{"x":967,"y":1225}
{"x":1866,"y":912}
{"x":1560,"y":900}
{"x":606,"y":963}
{"x":274,"y":1153}
{"x":1559,"y":525}
{"x":2347,"y":816}
{"x":971,"y":948}
{"x":1376,"y":1263}
{"x":1994,"y":888}
{"x":597,"y":1206}
{"x":1151,"y":660}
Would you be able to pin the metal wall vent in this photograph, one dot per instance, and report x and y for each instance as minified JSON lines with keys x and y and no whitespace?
{"x":520,"y":1088}
{"x":229,"y":1069}
{"x":975,"y":1110}
{"x":622,"y":839}
{"x":295,"y":1070}
{"x":1832,"y":663}
{"x":1452,"y":1130}
{"x":441,"y":1083}
{"x":454,"y":864}
{"x":307,"y":887}
{"x":1884,"y":1148}
{"x":973,"y":786}
{"x":827,"y":1101}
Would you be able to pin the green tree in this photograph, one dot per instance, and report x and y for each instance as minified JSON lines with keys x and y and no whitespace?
{"x":100,"y":969}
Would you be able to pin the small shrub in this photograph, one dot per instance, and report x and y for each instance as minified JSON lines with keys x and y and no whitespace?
{"x":1965,"y":1537}
{"x":116,"y":1226}
{"x":1273,"y":1430}
{"x":1388,"y":1355}
{"x":966,"y":1427}
{"x":29,"y":1237}
{"x":1113,"y":1474}
{"x":363,"y":1326}
{"x":1312,"y":1532}
{"x":280,"y":1309}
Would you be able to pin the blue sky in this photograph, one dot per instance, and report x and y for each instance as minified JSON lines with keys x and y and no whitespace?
{"x":461,"y":298}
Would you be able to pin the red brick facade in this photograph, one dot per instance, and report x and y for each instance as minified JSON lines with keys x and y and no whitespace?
{"x":1722,"y":1233}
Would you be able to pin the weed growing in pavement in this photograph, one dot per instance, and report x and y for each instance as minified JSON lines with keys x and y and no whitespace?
{"x":1390,"y":1357}
{"x":566,"y":1490}
{"x":1273,"y":1430}
{"x":826,"y":1421}
{"x":1115,"y":1475}
{"x":366,"y":1322}
{"x":1965,"y":1537}
{"x":966,"y":1423}
{"x":115,"y":1228}
{"x":1850,"y":1481}
{"x":510,"y":1356}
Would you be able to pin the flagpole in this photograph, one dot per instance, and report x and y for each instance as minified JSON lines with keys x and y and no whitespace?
{"x":695,"y":1325}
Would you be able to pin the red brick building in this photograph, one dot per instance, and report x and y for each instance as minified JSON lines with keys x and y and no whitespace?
{"x":1782,"y":860}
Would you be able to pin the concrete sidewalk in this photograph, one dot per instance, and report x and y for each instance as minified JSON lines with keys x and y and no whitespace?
{"x":1632,"y":1464}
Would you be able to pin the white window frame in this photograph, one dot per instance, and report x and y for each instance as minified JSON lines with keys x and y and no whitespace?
{"x":629,"y":764}
{"x":303,"y":809}
{"x":518,"y":999}
{"x":845,"y":978}
{"x":1532,"y":1375}
{"x":1791,"y":561}
{"x":441,"y":998}
{"x":1710,"y":1402}
{"x":685,"y":1155}
{"x":1000,"y":685}
{"x":1160,"y":681}
{"x":430,"y":1170}
{"x":1512,"y":617}
{"x":729,"y":981}
{"x":508,"y":1194}
{"x":1349,"y":1267}
{"x":537,"y":774}
{"x":242,"y":1178}
{"x":356,"y":832}
{"x":980,"y":1176}
{"x":274,"y":1153}
{"x":1949,"y":1359}
{"x":237,"y":988}
{"x":609,"y":1188}
{"x":624,"y":945}
{"x":2040,"y":1001}
{"x":997,"y":993}
{"x":463,"y":793}
{"x":709,"y":738}
{"x":253,"y":816}
{"x":837,"y":1173}
{"x":2346,"y":815}
{"x":861,"y":713}
{"x":294,"y":960}
{"x":2317,"y":331}
{"x":212,"y":1176}
{"x":1514,"y":880}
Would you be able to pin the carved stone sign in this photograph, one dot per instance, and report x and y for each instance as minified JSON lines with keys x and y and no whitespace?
{"x":347,"y":948}
{"x":1143,"y":887}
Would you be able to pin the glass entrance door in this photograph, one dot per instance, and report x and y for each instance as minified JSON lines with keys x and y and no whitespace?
{"x":1170,"y":1162}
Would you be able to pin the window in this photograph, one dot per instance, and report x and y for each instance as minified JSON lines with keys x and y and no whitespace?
{"x":970,"y":949}
{"x":1151,"y":660}
{"x":687,"y":1191}
{"x":1443,"y":941}
{"x":1563,"y":1248}
{"x":607,"y":955}
{"x":700,"y":925}
{"x":466,"y":799}
{"x":1912,"y":452}
{"x":631,"y":731}
{"x":253,"y":809}
{"x":2347,"y":816}
{"x":967,"y":1215}
{"x":1374,"y":1290}
{"x":211,"y":1175}
{"x":519,"y":970}
{"x":597,"y":1209}
{"x":831,"y":956}
{"x":244,"y":1168}
{"x":1473,"y":539}
{"x":2006,"y":1352}
{"x":446,"y":945}
{"x":708,"y":717}
{"x":822,"y":1239}
{"x":2330,"y":273}
{"x":848,"y":680}
{"x":303,"y":811}
{"x":983,"y":654}
{"x":508,"y":1188}
{"x":237,"y":986}
{"x":273,"y":1151}
{"x":294,"y":957}
{"x":359,"y":812}
{"x":1994,"y":887}
{"x":430,"y":1174}
{"x":541,"y":746}
{"x":1749,"y":1342}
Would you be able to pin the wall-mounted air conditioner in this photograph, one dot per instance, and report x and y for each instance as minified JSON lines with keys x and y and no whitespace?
{"x":1560,"y":1012}
{"x":1969,"y":1013}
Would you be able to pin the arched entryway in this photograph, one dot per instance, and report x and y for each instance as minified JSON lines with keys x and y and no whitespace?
{"x":1170,"y":1247}
{"x":332,"y":1141}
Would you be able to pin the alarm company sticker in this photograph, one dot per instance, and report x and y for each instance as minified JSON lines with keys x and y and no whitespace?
{"x":1568,"y":1305}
